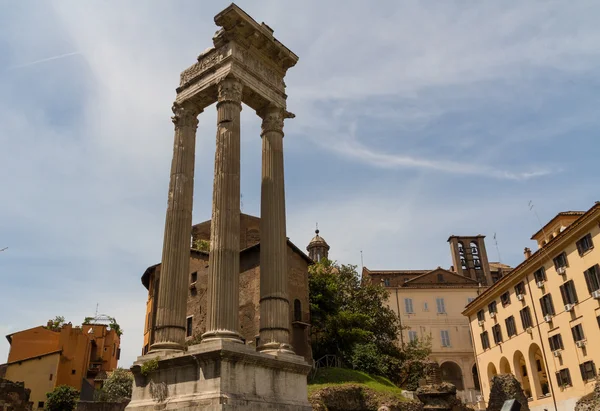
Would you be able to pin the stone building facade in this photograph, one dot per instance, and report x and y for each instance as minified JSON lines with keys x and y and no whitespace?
{"x":540,"y":321}
{"x":249,"y":288}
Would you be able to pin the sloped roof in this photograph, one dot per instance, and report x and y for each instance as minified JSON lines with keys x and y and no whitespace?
{"x":556,"y":217}
{"x":455,"y":279}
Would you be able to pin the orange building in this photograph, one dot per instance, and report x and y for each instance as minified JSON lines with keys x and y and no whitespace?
{"x":44,"y":358}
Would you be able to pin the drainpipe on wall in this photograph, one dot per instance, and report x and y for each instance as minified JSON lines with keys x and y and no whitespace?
{"x":399,"y":317}
{"x":541,"y":343}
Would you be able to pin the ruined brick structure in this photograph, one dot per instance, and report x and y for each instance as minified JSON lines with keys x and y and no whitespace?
{"x":249,"y":286}
{"x":506,"y":387}
{"x":14,"y":396}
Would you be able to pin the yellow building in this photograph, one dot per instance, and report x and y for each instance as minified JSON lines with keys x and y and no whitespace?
{"x":539,"y":322}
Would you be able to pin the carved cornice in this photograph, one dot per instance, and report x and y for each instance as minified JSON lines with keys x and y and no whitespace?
{"x":230,"y":90}
{"x":185,"y":115}
{"x":272,"y":119}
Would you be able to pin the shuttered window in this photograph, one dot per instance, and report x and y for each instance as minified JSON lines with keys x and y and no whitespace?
{"x":568,"y":293}
{"x":556,"y":343}
{"x":445,"y":338}
{"x":585,"y":244}
{"x":592,"y":278}
{"x":588,"y":370}
{"x":441,"y":306}
{"x":577,"y":332}
{"x":497,"y":332}
{"x":563,"y":377}
{"x":526,"y":318}
{"x":547,"y":305}
{"x":485,"y":340}
{"x":511,"y":327}
{"x":408,"y":305}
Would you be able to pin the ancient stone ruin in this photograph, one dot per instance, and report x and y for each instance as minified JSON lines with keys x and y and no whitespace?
{"x":506,"y":387}
{"x":14,"y":396}
{"x":435,"y":394}
{"x":246,"y":65}
{"x":590,"y":402}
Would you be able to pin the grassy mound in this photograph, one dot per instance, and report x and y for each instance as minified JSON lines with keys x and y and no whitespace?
{"x":340,"y":389}
{"x":332,"y":377}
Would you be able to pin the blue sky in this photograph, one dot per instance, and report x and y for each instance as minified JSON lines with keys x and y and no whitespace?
{"x":415,"y":120}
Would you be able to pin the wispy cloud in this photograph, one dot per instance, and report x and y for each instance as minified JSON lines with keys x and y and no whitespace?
{"x":365,"y":155}
{"x":44,"y":60}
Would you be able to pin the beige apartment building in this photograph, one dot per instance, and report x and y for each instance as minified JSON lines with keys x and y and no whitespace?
{"x":429,"y":303}
{"x":540,"y":321}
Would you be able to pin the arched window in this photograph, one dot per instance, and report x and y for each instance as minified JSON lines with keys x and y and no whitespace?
{"x":474,"y":248}
{"x":461,"y":248}
{"x":297,"y":310}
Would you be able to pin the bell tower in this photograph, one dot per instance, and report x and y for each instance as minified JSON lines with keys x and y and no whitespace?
{"x":318,"y":247}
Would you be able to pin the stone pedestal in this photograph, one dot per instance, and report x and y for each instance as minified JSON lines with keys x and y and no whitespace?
{"x":221,"y":375}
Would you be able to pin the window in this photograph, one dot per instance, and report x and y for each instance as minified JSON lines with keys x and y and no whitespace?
{"x":474,"y":248}
{"x":505,"y":299}
{"x":412,"y":336}
{"x":194,"y":277}
{"x":556,"y":343}
{"x":188,"y":327}
{"x":51,"y":377}
{"x":511,"y":327}
{"x":578,"y":333}
{"x":386,"y":282}
{"x":425,"y":307}
{"x":520,"y":288}
{"x":585,"y":244}
{"x":560,"y":260}
{"x":480,"y":315}
{"x":408,"y":305}
{"x":73,"y":372}
{"x":105,"y":349}
{"x":547,"y":305}
{"x":440,"y":278}
{"x":118,"y":353}
{"x":568,"y":293}
{"x":540,"y":275}
{"x":588,"y":370}
{"x":497,"y":332}
{"x":441,"y":306}
{"x":297,"y":310}
{"x":492,"y":308}
{"x":41,"y":405}
{"x":592,"y":278}
{"x":563,"y":377}
{"x":445,"y":338}
{"x":526,"y":318}
{"x":485,"y":340}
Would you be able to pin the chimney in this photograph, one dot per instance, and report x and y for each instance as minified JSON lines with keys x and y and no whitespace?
{"x":527,"y":252}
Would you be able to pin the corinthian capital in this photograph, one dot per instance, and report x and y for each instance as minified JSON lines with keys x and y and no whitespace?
{"x":230,"y":90}
{"x":273,"y":117}
{"x":185,"y":114}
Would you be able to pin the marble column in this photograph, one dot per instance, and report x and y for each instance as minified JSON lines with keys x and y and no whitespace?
{"x":224,"y":260}
{"x":274,"y":331}
{"x":169,"y":331}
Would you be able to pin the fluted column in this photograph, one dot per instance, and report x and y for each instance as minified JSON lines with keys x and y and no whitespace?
{"x":274,"y":304}
{"x":169,"y":332}
{"x":224,"y":260}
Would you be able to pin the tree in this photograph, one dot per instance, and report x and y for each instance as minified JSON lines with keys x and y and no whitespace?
{"x":63,"y":398}
{"x":202,"y":245}
{"x":351,"y":320}
{"x":56,"y":324}
{"x":117,"y":386}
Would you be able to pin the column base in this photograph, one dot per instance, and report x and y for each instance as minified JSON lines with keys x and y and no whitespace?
{"x":222,"y":335}
{"x":221,"y":375}
{"x":166,"y":346}
{"x":275,"y":348}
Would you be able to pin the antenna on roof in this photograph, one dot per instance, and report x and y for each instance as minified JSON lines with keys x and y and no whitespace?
{"x":96,"y":310}
{"x":497,"y":248}
{"x":531,"y":208}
